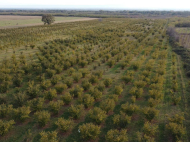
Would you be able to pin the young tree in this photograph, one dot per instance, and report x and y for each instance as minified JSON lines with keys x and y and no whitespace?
{"x":5,"y":110}
{"x":55,"y":106}
{"x":48,"y":136}
{"x":108,"y":82}
{"x":95,"y":93}
{"x":89,"y":131}
{"x":150,"y":113}
{"x":129,"y":109}
{"x":121,"y":120}
{"x":77,"y":91}
{"x":60,"y":87}
{"x":118,"y":90}
{"x":76,"y":111}
{"x":115,"y":135}
{"x":21,"y":113}
{"x":107,"y":105}
{"x":42,"y":117}
{"x":36,"y":104}
{"x":64,"y":125}
{"x":87,"y":100}
{"x":51,"y":94}
{"x":67,"y":98}
{"x":48,"y":19}
{"x":97,"y":115}
{"x":5,"y":126}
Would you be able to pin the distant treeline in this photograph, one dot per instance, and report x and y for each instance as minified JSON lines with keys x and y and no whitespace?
{"x":98,"y":14}
{"x":186,"y":24}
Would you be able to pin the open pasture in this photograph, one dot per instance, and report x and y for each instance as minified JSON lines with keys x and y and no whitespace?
{"x":8,"y":21}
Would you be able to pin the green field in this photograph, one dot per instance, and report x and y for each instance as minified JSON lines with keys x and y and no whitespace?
{"x":9,"y":22}
{"x":108,"y":80}
{"x":183,"y":30}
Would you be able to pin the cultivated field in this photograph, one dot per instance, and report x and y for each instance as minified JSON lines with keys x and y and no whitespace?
{"x":114,"y":80}
{"x":7,"y":21}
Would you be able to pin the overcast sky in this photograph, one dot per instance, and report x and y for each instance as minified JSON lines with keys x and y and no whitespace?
{"x":99,"y":4}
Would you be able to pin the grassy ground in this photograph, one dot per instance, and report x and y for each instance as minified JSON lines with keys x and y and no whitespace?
{"x":183,"y":30}
{"x":35,"y":20}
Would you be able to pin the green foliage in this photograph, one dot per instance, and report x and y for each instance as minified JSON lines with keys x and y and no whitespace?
{"x":97,"y":115}
{"x":114,"y":97}
{"x":176,"y":99}
{"x":177,"y":118}
{"x":64,"y":125}
{"x":19,"y":99}
{"x":5,"y":109}
{"x":55,"y":79}
{"x":76,"y":111}
{"x":121,"y":120}
{"x":32,"y":91}
{"x":86,"y":85}
{"x":17,"y":80}
{"x":69,"y":82}
{"x":123,"y":65}
{"x":153,"y":102}
{"x":42,"y":117}
{"x":36,"y":104}
{"x":48,"y":136}
{"x":95,"y":93}
{"x":146,"y":73}
{"x":71,"y":71}
{"x":21,"y":113}
{"x":45,"y":84}
{"x":161,"y":71}
{"x":5,"y":126}
{"x":108,"y":82}
{"x":176,"y":130}
{"x":100,"y":86}
{"x":137,"y":92}
{"x":84,"y":72}
{"x":4,"y":86}
{"x":115,"y":135}
{"x":129,"y":109}
{"x":93,"y":79}
{"x":133,"y":99}
{"x":107,"y":105}
{"x":55,"y":106}
{"x":83,"y":63}
{"x":50,"y":72}
{"x":87,"y":100}
{"x":48,"y":19}
{"x":118,"y":90}
{"x":155,"y":94}
{"x":60,"y":88}
{"x":150,"y":113}
{"x":77,"y":76}
{"x":136,"y":65}
{"x":98,"y":73}
{"x":140,"y":84}
{"x":111,"y":63}
{"x":89,"y":131}
{"x":67,"y":98}
{"x":149,"y":130}
{"x":127,"y":78}
{"x":77,"y":91}
{"x":51,"y":94}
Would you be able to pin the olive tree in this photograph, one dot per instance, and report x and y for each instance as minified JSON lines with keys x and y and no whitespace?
{"x":48,"y":19}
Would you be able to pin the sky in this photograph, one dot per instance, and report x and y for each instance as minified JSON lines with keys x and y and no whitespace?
{"x":98,"y":4}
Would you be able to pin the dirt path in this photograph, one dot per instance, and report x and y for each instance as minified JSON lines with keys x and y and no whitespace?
{"x":36,"y":24}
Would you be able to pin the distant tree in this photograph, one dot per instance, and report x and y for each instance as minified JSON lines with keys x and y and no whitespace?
{"x":48,"y":19}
